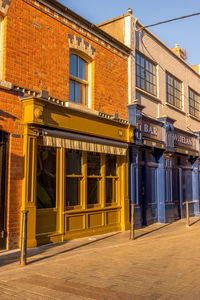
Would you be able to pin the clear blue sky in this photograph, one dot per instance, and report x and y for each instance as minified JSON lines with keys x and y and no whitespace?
{"x":184,"y":32}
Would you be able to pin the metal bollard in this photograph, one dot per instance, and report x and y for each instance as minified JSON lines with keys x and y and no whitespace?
{"x":187,"y":214}
{"x":24,"y":238}
{"x":132,"y":231}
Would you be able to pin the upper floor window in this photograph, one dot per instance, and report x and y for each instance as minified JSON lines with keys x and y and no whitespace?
{"x":174,"y":93}
{"x":78,"y":84}
{"x":146,"y":74}
{"x":194,"y":103}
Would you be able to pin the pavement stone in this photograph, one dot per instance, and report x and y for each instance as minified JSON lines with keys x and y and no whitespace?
{"x":163,"y":262}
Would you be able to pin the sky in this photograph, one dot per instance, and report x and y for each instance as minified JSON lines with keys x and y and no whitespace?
{"x":185,"y":33}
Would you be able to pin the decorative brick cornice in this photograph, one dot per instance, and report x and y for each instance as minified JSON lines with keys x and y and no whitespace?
{"x":5,"y":85}
{"x":4,"y":6}
{"x":78,"y":43}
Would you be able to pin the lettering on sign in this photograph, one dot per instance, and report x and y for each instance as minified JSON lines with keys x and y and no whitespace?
{"x":183,"y":140}
{"x":150,"y":130}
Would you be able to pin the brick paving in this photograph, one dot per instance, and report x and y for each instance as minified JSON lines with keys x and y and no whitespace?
{"x":163,"y":262}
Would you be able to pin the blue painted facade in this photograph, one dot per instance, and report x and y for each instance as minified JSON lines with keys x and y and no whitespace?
{"x":163,"y":174}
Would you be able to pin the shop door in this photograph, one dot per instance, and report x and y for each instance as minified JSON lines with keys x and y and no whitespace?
{"x":177,"y":192}
{"x":149,"y":199}
{"x":143,"y":196}
{"x":46,"y":221}
{"x":3,"y":169}
{"x":187,"y":191}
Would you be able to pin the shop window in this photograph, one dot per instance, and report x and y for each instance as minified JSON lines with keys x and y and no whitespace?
{"x":46,"y":178}
{"x":146,"y":74}
{"x":93,"y":178}
{"x":73,"y":178}
{"x":152,"y":197}
{"x":174,"y":91}
{"x":78,"y":84}
{"x":194,"y":103}
{"x":111,"y":179}
{"x":187,"y":185}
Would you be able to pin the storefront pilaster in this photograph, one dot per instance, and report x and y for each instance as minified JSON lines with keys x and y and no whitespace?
{"x":195,"y":191}
{"x":161,"y":189}
{"x":29,"y":183}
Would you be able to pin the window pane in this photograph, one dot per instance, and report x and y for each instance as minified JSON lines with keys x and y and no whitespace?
{"x":46,"y":178}
{"x":92,"y":190}
{"x":174,"y":91}
{"x":80,"y":93}
{"x":73,"y":65}
{"x":73,"y":163}
{"x":109,"y":190}
{"x":194,"y":104}
{"x":72,"y":191}
{"x":82,"y":69}
{"x":72,"y":90}
{"x":111,"y":165}
{"x":93,"y":164}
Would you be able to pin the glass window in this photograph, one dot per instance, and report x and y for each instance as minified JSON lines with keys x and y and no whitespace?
{"x":94,"y":177}
{"x":78,"y":80}
{"x":46,"y":178}
{"x":111,"y":179}
{"x":92,"y":191}
{"x":194,"y":103}
{"x":146,"y":74}
{"x":74,"y":65}
{"x":73,"y":178}
{"x":73,"y":163}
{"x":93,"y":164}
{"x":174,"y":94}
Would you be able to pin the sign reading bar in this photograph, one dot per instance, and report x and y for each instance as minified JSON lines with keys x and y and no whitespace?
{"x":149,"y":129}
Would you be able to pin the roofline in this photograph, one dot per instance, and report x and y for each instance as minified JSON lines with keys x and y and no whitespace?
{"x":169,"y":49}
{"x":92,"y":27}
{"x":114,"y":19}
{"x":153,"y":35}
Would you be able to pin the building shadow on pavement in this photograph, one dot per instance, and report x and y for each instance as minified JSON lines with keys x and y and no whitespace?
{"x":146,"y":231}
{"x":194,"y":222}
{"x":10,"y":257}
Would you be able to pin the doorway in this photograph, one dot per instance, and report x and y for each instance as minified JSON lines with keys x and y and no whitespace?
{"x":149,"y":188}
{"x":3,"y":175}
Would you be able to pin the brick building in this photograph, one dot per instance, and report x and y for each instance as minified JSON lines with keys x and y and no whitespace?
{"x":64,"y":125}
{"x":164,"y":103}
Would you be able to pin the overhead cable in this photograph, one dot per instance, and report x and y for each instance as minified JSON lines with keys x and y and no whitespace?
{"x":171,"y":20}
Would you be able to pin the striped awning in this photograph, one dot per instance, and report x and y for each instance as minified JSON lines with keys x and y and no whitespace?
{"x":60,"y":139}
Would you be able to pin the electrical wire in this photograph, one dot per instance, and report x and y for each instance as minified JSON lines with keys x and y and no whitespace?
{"x":167,"y":21}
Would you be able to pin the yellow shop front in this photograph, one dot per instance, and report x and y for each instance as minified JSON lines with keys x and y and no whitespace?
{"x":76,"y":171}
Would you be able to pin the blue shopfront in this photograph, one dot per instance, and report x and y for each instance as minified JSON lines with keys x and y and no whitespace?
{"x":164,"y":171}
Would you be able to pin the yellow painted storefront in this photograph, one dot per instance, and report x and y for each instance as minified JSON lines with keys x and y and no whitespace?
{"x":80,"y":158}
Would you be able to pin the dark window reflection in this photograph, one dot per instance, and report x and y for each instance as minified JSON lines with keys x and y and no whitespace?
{"x":73,"y":163}
{"x":109,"y":190}
{"x":92,"y":191}
{"x":111,"y":165}
{"x":72,"y":191}
{"x":46,"y":178}
{"x":93,"y":164}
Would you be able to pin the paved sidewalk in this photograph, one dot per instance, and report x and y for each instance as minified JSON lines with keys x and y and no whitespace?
{"x":163,"y":262}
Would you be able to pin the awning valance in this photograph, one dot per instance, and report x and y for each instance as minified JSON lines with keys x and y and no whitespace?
{"x":61,"y":139}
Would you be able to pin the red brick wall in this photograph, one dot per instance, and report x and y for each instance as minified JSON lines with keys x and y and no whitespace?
{"x":10,"y":122}
{"x":38,"y":58}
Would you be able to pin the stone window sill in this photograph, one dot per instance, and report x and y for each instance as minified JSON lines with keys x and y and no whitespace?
{"x":175,"y":108}
{"x":148,"y":94}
